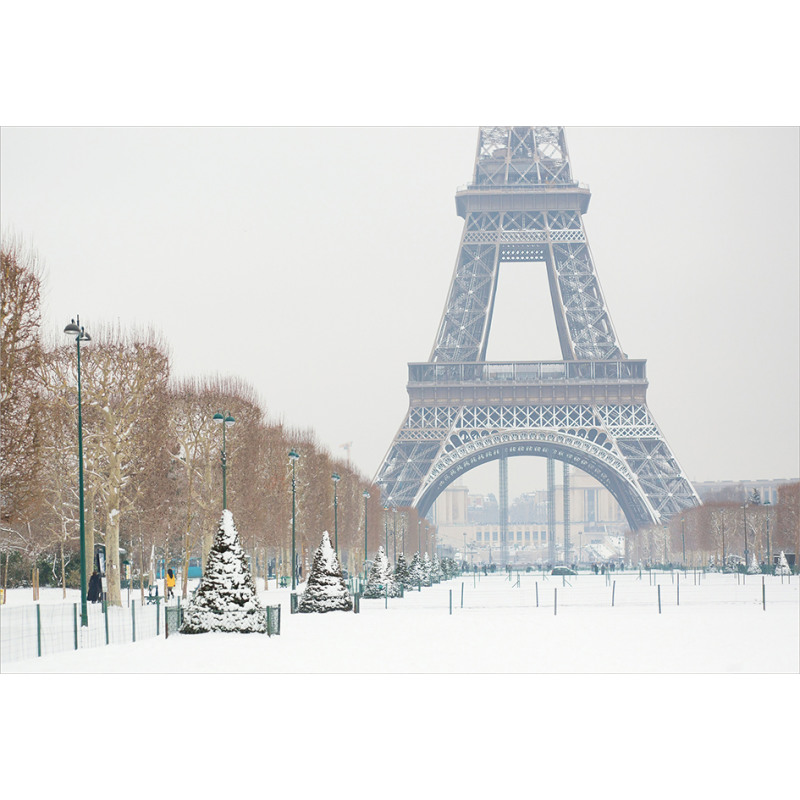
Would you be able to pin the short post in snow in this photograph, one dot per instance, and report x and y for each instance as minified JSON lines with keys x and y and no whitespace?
{"x":451,"y":601}
{"x":763,"y":594}
{"x":659,"y":598}
{"x":537,"y":594}
{"x":679,"y":589}
{"x":613,"y":592}
{"x":462,"y":594}
{"x":555,"y":601}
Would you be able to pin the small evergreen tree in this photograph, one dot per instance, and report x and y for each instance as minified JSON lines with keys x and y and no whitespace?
{"x":325,"y":588}
{"x":380,"y":580}
{"x":227,"y":600}
{"x":753,"y":569}
{"x":434,"y":568}
{"x":402,"y":573}
{"x":417,"y":572}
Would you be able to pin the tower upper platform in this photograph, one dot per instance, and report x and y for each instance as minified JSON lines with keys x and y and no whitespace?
{"x":522,"y":169}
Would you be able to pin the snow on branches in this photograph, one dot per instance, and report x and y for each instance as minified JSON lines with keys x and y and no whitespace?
{"x":325,"y":588}
{"x":226,"y":600}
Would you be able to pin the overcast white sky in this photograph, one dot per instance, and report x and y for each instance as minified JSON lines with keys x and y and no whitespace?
{"x":314,"y":263}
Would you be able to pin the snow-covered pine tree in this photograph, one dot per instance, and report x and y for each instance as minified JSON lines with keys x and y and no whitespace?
{"x":436,"y":569}
{"x":417,"y":572}
{"x":753,"y":569}
{"x":380,"y":580}
{"x":427,"y":568}
{"x":227,"y":600}
{"x":325,"y":588}
{"x":402,"y":574}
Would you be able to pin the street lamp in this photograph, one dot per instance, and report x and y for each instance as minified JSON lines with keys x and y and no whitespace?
{"x":769,"y":549}
{"x":394,"y":535}
{"x":77,"y":330}
{"x":744,"y":515}
{"x":403,"y":533}
{"x":386,"y":528}
{"x":336,"y":478}
{"x":227,"y":421}
{"x":365,"y":495}
{"x":683,"y":542}
{"x":293,"y":456}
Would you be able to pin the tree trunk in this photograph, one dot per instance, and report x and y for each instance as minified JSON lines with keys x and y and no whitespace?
{"x":63,"y":573}
{"x":89,"y":529}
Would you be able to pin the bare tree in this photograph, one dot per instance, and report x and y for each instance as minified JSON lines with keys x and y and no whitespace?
{"x":124,"y":380}
{"x":20,"y":398}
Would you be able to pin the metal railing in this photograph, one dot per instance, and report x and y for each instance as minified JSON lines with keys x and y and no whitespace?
{"x":527,"y":371}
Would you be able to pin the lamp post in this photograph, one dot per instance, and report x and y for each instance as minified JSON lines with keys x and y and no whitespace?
{"x":365,"y":495}
{"x":580,"y":547}
{"x":77,"y":330}
{"x":386,"y":528}
{"x":419,"y":536}
{"x":683,"y":542}
{"x":744,"y":515}
{"x":336,"y":478}
{"x":403,"y":533}
{"x":769,"y":548}
{"x":394,"y":534}
{"x":227,"y":420}
{"x":293,"y":456}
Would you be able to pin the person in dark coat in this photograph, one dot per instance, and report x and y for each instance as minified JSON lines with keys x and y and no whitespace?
{"x":95,"y":592}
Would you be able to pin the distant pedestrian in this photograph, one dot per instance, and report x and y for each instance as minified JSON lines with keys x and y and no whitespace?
{"x":95,"y":592}
{"x":170,"y":584}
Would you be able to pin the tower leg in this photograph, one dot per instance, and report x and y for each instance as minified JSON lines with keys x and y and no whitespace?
{"x":504,"y":509}
{"x":567,"y":542}
{"x":551,"y":510}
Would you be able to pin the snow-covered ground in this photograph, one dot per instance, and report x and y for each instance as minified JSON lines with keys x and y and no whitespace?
{"x":716,"y":624}
{"x":495,"y":698}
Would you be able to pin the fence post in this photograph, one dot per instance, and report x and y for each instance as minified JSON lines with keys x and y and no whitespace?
{"x":133,"y":620}
{"x":555,"y":601}
{"x":679,"y":588}
{"x":659,"y":598}
{"x":38,"y":631}
{"x":613,"y":592}
{"x":462,"y":594}
{"x":105,"y":615}
{"x":537,"y":594}
{"x":451,"y":601}
{"x":763,"y":594}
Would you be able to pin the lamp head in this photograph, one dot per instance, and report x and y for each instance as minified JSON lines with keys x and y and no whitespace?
{"x":336,"y":477}
{"x":365,"y":494}
{"x":293,"y":455}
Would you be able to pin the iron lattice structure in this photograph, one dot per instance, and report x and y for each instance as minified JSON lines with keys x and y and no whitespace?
{"x":589,"y":409}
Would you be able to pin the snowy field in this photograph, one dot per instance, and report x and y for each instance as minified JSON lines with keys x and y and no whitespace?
{"x":709,"y":624}
{"x":574,"y":696}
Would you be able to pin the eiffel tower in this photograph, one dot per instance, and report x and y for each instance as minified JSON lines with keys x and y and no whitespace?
{"x":587,"y":410}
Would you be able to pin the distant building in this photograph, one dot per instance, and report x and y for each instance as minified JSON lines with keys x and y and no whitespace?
{"x":739,"y":491}
{"x":597,"y":524}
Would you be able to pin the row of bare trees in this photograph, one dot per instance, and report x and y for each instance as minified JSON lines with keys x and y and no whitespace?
{"x":152,"y":455}
{"x":718,"y":532}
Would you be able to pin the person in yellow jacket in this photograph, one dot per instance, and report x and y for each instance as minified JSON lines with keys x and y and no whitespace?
{"x":170,"y":583}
